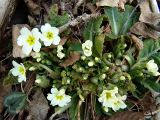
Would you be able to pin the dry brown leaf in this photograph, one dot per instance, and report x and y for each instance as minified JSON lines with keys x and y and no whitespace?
{"x":111,"y":3}
{"x":138,"y":43}
{"x":5,"y":89}
{"x":74,"y":57}
{"x":150,"y":18}
{"x":17,"y":50}
{"x":121,"y":4}
{"x":140,"y":28}
{"x":128,"y":115}
{"x":38,"y":108}
{"x":145,"y":7}
{"x":33,"y":7}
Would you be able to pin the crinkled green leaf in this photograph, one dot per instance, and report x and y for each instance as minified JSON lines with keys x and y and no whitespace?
{"x":98,"y":45}
{"x":151,"y":85}
{"x":150,"y":48}
{"x":93,"y":28}
{"x":15,"y":102}
{"x":57,"y":20}
{"x":121,"y":21}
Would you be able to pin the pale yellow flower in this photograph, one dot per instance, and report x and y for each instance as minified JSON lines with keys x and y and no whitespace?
{"x":50,"y":35}
{"x":29,"y":40}
{"x":19,"y":70}
{"x":58,"y":97}
{"x":87,"y":48}
{"x":153,"y":68}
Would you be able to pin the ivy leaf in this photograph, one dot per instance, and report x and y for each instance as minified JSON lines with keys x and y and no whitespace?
{"x":98,"y":45}
{"x":151,"y":85}
{"x":57,"y":20}
{"x":151,"y":47}
{"x":15,"y":102}
{"x":121,"y":21}
{"x":93,"y":28}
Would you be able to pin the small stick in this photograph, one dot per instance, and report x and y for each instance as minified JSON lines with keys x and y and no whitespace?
{"x":85,"y":17}
{"x":77,"y":5}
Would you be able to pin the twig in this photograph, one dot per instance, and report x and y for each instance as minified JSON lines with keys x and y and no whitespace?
{"x":85,"y":17}
{"x":77,"y":5}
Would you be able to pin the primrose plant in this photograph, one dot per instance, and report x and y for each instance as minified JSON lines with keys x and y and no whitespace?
{"x":100,"y":68}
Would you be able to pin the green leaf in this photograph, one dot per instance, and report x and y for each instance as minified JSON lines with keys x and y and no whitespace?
{"x":73,"y":110}
{"x":57,"y":20}
{"x":93,"y":28}
{"x":10,"y":80}
{"x":75,"y":47}
{"x":15,"y":102}
{"x":156,"y":57}
{"x":151,"y":85}
{"x":150,"y":48}
{"x":98,"y":45}
{"x":121,"y":21}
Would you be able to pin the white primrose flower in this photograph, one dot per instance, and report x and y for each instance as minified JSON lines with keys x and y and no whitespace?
{"x":29,"y":40}
{"x":153,"y":68}
{"x":108,"y":97}
{"x":19,"y":70}
{"x":58,"y":97}
{"x":60,"y":54}
{"x":87,"y":48}
{"x":119,"y":104}
{"x":111,"y":99}
{"x":50,"y":35}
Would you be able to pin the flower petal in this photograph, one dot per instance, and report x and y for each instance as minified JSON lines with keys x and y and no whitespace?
{"x":21,"y":40}
{"x":25,"y":31}
{"x":37,"y":46}
{"x":56,"y":40}
{"x":46,"y":27}
{"x":26,"y":49}
{"x":36,"y":33}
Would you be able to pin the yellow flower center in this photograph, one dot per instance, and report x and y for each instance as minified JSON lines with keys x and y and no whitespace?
{"x":21,"y":70}
{"x":49,"y":35}
{"x":108,"y":95}
{"x":31,"y":40}
{"x":59,"y":97}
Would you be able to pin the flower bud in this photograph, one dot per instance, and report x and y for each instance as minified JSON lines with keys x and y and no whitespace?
{"x":38,"y":59}
{"x":106,"y":68}
{"x":90,"y":64}
{"x":97,"y":59}
{"x":32,"y":68}
{"x":85,"y":76}
{"x":109,"y":55}
{"x":42,"y":81}
{"x":102,"y":77}
{"x":83,"y":57}
{"x":122,"y":78}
